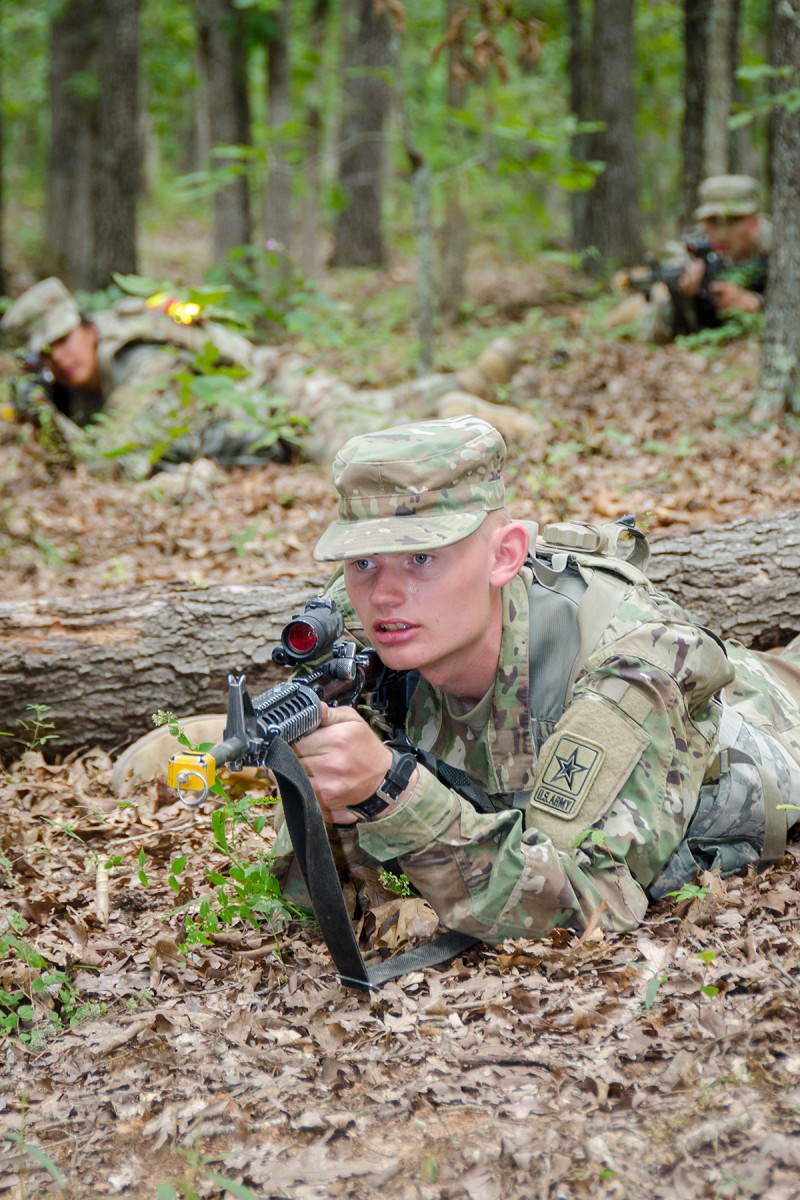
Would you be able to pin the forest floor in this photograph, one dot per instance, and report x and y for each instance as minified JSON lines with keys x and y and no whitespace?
{"x":152,"y":1062}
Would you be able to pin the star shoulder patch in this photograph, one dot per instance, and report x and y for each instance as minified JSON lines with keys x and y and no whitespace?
{"x":567,"y":776}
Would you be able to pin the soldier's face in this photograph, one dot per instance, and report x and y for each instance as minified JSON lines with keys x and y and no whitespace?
{"x":733,"y":237}
{"x":438,"y":612}
{"x":73,"y":359}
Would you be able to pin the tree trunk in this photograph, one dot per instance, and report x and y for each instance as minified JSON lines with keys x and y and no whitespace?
{"x":719,"y":80}
{"x":118,"y":155}
{"x":362,"y":155}
{"x":223,"y":55}
{"x":69,"y":226}
{"x":104,"y":663}
{"x":614,"y":214}
{"x":578,"y":88}
{"x":779,"y":384}
{"x":455,"y":231}
{"x":278,"y":194}
{"x":695,"y":46}
{"x":312,"y":200}
{"x":94,"y":160}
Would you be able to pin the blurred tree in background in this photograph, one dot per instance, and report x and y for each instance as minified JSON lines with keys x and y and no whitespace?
{"x":275,"y":128}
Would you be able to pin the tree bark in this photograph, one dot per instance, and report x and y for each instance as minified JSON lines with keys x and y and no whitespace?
{"x":104,"y":663}
{"x":69,"y":231}
{"x":223,"y":55}
{"x":278,"y":193}
{"x":118,"y":156}
{"x":779,"y":384}
{"x":362,"y":157}
{"x":578,"y":88}
{"x":94,"y":159}
{"x":314,"y":102}
{"x":695,"y":45}
{"x":719,"y":86}
{"x":454,"y":242}
{"x":614,"y":215}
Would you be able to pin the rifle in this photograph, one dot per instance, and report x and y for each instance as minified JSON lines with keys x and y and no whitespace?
{"x":293,"y":709}
{"x":256,"y":734}
{"x":641,"y":279}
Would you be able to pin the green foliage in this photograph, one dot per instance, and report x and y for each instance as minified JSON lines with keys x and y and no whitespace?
{"x":200,"y":1176}
{"x":773,"y":88}
{"x":245,"y":890}
{"x":37,"y":1154}
{"x":689,"y":891}
{"x":736,"y":325}
{"x":395,"y":883}
{"x":45,"y":1002}
{"x":36,"y":731}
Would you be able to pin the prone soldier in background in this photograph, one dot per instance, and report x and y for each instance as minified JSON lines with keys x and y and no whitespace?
{"x":720,"y":271}
{"x":149,"y":382}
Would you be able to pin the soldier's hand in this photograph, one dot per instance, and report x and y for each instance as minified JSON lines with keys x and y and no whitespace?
{"x":726,"y":295}
{"x":689,"y":282}
{"x":345,"y":762}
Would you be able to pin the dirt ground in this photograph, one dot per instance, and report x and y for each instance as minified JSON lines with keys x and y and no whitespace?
{"x":663,"y":1063}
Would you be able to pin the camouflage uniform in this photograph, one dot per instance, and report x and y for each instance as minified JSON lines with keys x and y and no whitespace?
{"x":152,"y":394}
{"x":618,"y":800}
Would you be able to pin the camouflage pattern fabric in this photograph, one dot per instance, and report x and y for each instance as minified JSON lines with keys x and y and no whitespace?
{"x":613,"y":795}
{"x":414,"y":487}
{"x":159,"y":401}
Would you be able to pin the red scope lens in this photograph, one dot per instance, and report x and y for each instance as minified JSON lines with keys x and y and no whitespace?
{"x":300,"y":637}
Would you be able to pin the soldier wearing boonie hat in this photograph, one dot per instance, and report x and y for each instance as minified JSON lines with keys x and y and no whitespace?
{"x":42,"y":315}
{"x":414,"y":487}
{"x":724,"y":270}
{"x":612,"y":747}
{"x":727,"y":196}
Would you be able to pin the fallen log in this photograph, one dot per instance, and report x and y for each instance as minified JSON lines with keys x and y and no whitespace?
{"x":102,"y":664}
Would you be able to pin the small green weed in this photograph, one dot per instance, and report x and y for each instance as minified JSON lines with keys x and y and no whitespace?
{"x":395,"y":883}
{"x":244,"y":890}
{"x":46,"y":1002}
{"x":37,"y":730}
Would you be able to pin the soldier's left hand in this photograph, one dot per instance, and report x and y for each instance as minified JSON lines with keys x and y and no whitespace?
{"x":345,"y":762}
{"x":727,"y":295}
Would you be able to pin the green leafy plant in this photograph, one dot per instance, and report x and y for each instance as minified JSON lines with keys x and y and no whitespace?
{"x":245,"y":889}
{"x":31,"y":1150}
{"x":36,"y":731}
{"x":689,"y":891}
{"x":199,"y":1175}
{"x":395,"y":883}
{"x":46,"y":1002}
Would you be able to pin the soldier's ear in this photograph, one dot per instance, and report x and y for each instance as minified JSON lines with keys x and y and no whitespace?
{"x":510,"y":546}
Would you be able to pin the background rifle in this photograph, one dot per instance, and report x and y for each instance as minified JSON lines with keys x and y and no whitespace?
{"x":641,"y":279}
{"x":293,"y":709}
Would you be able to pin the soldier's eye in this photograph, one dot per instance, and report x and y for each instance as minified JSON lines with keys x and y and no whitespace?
{"x":421,"y":559}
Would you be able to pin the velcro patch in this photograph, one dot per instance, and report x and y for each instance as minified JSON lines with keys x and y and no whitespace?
{"x":567,"y":776}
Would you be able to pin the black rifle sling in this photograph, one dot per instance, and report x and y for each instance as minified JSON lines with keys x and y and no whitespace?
{"x":313,"y":852}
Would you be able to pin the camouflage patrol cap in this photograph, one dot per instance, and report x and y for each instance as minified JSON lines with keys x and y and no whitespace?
{"x":727,"y":196}
{"x":414,"y":487}
{"x":42,"y":315}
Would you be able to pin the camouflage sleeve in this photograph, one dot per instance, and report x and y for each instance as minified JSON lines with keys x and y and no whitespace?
{"x":614,"y":789}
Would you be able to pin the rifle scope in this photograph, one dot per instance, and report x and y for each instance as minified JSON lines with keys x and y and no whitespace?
{"x":310,"y":633}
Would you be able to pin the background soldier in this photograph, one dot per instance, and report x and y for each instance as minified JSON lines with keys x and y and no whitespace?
{"x":722,"y":268}
{"x":173,"y":385}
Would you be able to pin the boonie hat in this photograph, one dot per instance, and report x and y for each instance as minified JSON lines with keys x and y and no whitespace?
{"x":42,"y":315}
{"x":414,"y":487}
{"x":727,"y":196}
